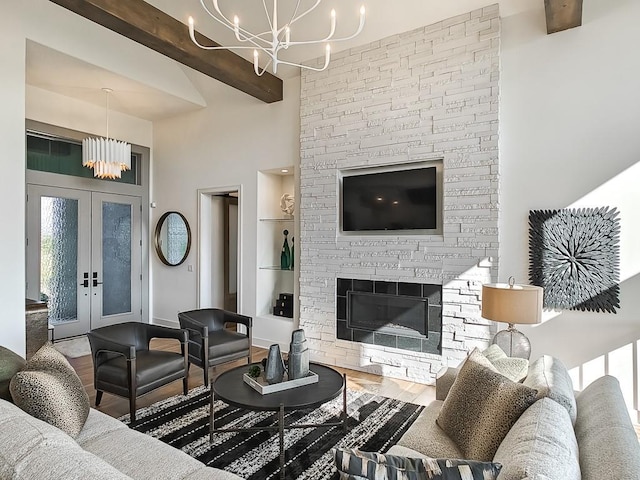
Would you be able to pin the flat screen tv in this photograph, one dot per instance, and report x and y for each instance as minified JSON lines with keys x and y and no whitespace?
{"x":393,"y":200}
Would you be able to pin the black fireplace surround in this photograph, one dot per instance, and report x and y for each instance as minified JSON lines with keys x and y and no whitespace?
{"x":401,"y":315}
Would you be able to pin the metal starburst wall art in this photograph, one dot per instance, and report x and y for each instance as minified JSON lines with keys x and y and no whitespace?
{"x":574,"y":254}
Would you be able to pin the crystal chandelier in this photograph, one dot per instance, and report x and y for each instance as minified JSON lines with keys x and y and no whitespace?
{"x":107,"y":156}
{"x":277,"y":38}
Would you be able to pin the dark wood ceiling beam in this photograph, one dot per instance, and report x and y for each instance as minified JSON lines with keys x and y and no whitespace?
{"x":562,"y":14}
{"x":149,"y":26}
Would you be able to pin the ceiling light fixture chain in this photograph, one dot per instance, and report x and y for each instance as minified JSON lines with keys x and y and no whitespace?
{"x":272,"y":41}
{"x":107,"y":157}
{"x":107,"y":91}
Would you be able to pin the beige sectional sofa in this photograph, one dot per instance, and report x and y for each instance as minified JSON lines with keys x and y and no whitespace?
{"x":562,"y":436}
{"x":54,"y":434}
{"x":105,"y":449}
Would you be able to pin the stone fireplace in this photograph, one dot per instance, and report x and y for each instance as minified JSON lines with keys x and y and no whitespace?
{"x":430,"y":94}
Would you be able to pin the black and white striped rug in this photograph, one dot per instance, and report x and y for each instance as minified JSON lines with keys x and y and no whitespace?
{"x":374,"y":423}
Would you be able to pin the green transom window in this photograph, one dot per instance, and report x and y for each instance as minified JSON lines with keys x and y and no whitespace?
{"x":62,"y":156}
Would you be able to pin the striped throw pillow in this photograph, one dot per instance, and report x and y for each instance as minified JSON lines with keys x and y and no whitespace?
{"x":352,"y":464}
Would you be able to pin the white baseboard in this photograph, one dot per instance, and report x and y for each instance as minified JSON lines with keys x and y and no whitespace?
{"x":257,"y":342}
{"x":165,"y":322}
{"x":264,"y":343}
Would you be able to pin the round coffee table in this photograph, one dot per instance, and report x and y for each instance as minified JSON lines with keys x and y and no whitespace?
{"x":230,"y":388}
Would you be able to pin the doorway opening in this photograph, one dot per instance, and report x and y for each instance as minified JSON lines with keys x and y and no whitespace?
{"x":219,"y":248}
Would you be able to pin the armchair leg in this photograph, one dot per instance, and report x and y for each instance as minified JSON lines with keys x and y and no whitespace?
{"x":185,"y":384}
{"x":133,"y":388}
{"x":205,"y":369}
{"x":98,"y":397}
{"x":132,"y":408}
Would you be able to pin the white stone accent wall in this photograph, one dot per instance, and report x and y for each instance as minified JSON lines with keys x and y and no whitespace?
{"x":427,"y":94}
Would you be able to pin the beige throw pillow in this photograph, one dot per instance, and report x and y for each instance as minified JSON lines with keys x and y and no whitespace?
{"x":550,"y":378}
{"x":513,"y":368}
{"x":481,"y":408}
{"x":49,"y":389}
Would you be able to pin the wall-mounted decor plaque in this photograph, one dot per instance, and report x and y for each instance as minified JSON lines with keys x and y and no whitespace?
{"x":574,"y":254}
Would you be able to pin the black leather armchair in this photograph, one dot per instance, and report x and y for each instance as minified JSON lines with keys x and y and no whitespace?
{"x":124,"y":365}
{"x":210,"y":344}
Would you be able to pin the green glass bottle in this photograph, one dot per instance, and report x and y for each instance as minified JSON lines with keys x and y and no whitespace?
{"x":292,"y":254}
{"x":285,"y":255}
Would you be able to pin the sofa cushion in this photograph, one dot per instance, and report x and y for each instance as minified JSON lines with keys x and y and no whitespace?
{"x":608,"y":442}
{"x":513,"y":368}
{"x":550,"y":378}
{"x":444,"y":381}
{"x":541,"y":442}
{"x":101,"y":433}
{"x":208,"y":473}
{"x":49,"y":389}
{"x":144,"y":457}
{"x":34,"y":449}
{"x":98,"y":425}
{"x":426,"y":437}
{"x":481,"y":408}
{"x":353,"y":464}
{"x":10,"y":364}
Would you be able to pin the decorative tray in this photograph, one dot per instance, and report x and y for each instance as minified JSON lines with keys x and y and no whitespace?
{"x":260,"y":385}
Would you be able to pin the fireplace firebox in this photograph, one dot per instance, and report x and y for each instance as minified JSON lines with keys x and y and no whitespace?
{"x":392,"y":314}
{"x":381,"y":312}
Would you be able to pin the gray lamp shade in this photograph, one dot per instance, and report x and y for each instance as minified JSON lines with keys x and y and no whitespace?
{"x":516,"y":304}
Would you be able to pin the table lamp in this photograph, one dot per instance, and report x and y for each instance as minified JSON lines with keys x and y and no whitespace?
{"x":516,"y":305}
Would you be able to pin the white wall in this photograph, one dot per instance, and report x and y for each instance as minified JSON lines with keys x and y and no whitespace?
{"x":12,"y":188}
{"x":224,"y":145}
{"x":570,"y":110}
{"x":55,"y":109}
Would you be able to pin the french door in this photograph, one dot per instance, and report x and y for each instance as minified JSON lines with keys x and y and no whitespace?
{"x":84,"y":256}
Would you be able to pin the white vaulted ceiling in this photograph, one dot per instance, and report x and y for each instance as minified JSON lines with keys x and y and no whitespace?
{"x":55,"y":71}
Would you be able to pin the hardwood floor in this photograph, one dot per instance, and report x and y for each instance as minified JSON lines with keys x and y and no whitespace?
{"x":118,"y":406}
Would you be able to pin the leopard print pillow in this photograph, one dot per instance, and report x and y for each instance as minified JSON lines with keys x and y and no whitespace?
{"x":49,"y":389}
{"x":481,"y":408}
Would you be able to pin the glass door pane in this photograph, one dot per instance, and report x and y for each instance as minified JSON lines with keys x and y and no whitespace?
{"x":58,"y":258}
{"x":116,"y":258}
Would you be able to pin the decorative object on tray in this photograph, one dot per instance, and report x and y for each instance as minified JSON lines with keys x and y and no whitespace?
{"x":274,"y":370}
{"x":254,"y":371}
{"x":262,"y":386}
{"x":298,"y":355}
{"x":287,"y":204}
{"x":574,"y":254}
{"x":285,"y":255}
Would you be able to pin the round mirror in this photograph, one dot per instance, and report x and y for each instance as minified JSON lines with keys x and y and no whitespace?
{"x":173,"y":238}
